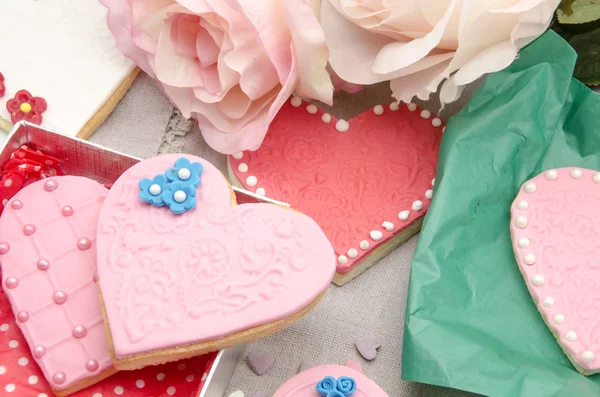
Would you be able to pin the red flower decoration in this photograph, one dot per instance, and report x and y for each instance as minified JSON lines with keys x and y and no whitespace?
{"x":26,"y":107}
{"x":2,"y":88}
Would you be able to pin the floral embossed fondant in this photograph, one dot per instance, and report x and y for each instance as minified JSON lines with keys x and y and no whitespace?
{"x":176,"y":285}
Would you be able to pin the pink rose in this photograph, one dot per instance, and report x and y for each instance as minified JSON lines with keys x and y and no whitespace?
{"x":231,"y":64}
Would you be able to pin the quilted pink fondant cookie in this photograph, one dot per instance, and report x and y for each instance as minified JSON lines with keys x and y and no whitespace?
{"x":331,"y":380}
{"x":183,"y":270}
{"x":48,"y":257}
{"x":555,"y":224}
{"x":367,"y":181}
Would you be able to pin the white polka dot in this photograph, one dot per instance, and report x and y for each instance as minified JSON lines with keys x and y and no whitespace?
{"x":342,"y":260}
{"x":3,"y":327}
{"x":529,"y":259}
{"x":521,"y":222}
{"x":364,"y":245}
{"x":352,"y":253}
{"x":296,"y":101}
{"x":45,"y":395}
{"x":181,"y":366}
{"x":588,"y":356}
{"x":551,"y":175}
{"x":97,"y":395}
{"x":243,"y":167}
{"x":251,"y":180}
{"x":8,"y":182}
{"x":37,"y":168}
{"x":140,"y":383}
{"x":171,"y":390}
{"x":576,"y":173}
{"x":436,"y":122}
{"x":376,"y":235}
{"x":425,"y":114}
{"x":13,"y":343}
{"x":530,"y":187}
{"x":261,"y":191}
{"x":23,"y":166}
{"x":2,"y":369}
{"x":378,"y":110}
{"x":429,"y":194}
{"x":412,"y":107}
{"x":571,"y":336}
{"x":23,"y":361}
{"x":48,"y":162}
{"x":523,"y":205}
{"x":119,"y":390}
{"x":596,"y":178}
{"x":10,"y":388}
{"x":394,"y":107}
{"x":312,"y":109}
{"x":238,"y":155}
{"x":548,"y":301}
{"x":523,"y":242}
{"x":160,"y":376}
{"x":538,"y":280}
{"x":417,"y":205}
{"x":559,"y":319}
{"x":326,"y":117}
{"x":403,"y":215}
{"x":342,"y":126}
{"x":189,"y":378}
{"x":32,"y":380}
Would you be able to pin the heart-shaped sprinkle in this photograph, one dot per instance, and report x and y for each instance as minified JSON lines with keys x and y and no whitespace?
{"x":364,"y":181}
{"x":367,"y":346}
{"x":555,"y":223}
{"x":306,"y":364}
{"x":260,"y":363}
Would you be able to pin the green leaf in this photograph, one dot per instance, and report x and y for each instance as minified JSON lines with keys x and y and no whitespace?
{"x":587,"y":68}
{"x":578,"y":11}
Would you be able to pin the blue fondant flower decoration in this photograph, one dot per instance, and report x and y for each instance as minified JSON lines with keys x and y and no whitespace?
{"x":336,"y":393}
{"x":180,"y":197}
{"x":326,"y":385}
{"x":185,"y":171}
{"x":151,"y":190}
{"x":346,"y":385}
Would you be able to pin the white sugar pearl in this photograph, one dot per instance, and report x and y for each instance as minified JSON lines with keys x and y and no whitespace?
{"x":571,"y":336}
{"x":378,"y":110}
{"x":588,"y":356}
{"x":523,"y":242}
{"x":238,"y":155}
{"x":119,"y":390}
{"x":342,"y":126}
{"x":559,"y":319}
{"x":376,"y":235}
{"x":403,"y":215}
{"x":425,"y":114}
{"x":32,"y":380}
{"x":433,"y":182}
{"x":394,"y":107}
{"x":523,"y":205}
{"x":389,"y":226}
{"x":529,"y":259}
{"x":155,"y":189}
{"x":184,"y":174}
{"x":342,"y":259}
{"x":243,"y":167}
{"x":429,"y":194}
{"x":596,"y":178}
{"x":364,"y":245}
{"x":436,"y":122}
{"x":251,"y":180}
{"x":548,"y":301}
{"x":179,"y":196}
{"x":326,"y":117}
{"x":352,"y":253}
{"x":530,"y":187}
{"x":521,"y":222}
{"x":261,"y":191}
{"x":412,"y":107}
{"x":296,"y":101}
{"x":551,"y":175}
{"x":417,"y":205}
{"x":576,"y":173}
{"x":140,"y":383}
{"x":538,"y":280}
{"x":312,"y":109}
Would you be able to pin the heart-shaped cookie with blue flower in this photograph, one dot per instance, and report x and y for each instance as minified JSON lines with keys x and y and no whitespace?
{"x":183,"y":270}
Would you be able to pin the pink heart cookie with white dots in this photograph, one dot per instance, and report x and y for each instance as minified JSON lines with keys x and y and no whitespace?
{"x":555,"y":224}
{"x":48,"y":258}
{"x":216,"y":275}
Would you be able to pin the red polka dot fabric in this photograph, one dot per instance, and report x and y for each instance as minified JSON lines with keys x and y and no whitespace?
{"x":20,"y":376}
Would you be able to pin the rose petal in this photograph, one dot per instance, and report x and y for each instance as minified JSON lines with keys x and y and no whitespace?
{"x":184,"y":30}
{"x":235,"y":104}
{"x":207,"y":50}
{"x":257,"y":74}
{"x":422,"y":83}
{"x":148,"y":17}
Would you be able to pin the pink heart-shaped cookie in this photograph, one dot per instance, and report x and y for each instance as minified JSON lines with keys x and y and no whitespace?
{"x":217,"y":275}
{"x":367,"y":182}
{"x":555,"y":224}
{"x":304,"y":384}
{"x":48,"y":256}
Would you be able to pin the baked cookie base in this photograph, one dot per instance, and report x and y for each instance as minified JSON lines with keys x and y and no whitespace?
{"x":84,"y":383}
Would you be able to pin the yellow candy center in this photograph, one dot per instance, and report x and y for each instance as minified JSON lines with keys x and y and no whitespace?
{"x":25,"y":107}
